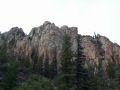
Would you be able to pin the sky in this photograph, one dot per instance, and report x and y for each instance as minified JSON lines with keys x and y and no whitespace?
{"x":99,"y":16}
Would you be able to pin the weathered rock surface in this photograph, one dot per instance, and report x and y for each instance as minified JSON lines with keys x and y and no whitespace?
{"x":92,"y":49}
{"x":46,"y":40}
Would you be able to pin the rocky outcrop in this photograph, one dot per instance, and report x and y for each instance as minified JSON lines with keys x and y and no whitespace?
{"x":94,"y":45}
{"x":46,"y":40}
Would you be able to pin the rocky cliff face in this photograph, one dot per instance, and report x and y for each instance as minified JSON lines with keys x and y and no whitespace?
{"x":46,"y":40}
{"x":92,"y":49}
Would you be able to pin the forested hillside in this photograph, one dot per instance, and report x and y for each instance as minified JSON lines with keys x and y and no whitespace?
{"x":53,"y":58}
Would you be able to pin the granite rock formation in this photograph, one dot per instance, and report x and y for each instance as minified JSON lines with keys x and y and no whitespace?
{"x":46,"y":40}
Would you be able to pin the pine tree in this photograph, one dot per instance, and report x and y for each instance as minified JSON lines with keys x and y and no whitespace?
{"x":39,"y":66}
{"x":35,"y":60}
{"x":53,"y":68}
{"x":81,"y":72}
{"x":114,"y":76}
{"x":117,"y":76}
{"x":46,"y":67}
{"x":10,"y":78}
{"x":100,"y":77}
{"x":66,"y":62}
{"x":3,"y":61}
{"x":66,"y":58}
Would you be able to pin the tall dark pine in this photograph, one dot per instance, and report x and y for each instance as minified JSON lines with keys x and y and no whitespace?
{"x":34,"y":57}
{"x":46,"y":67}
{"x":118,"y":76}
{"x":53,"y":68}
{"x":81,"y":72}
{"x":39,"y":66}
{"x":66,"y":58}
{"x":66,"y":61}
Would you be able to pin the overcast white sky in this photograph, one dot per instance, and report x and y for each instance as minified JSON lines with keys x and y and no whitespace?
{"x":100,"y":16}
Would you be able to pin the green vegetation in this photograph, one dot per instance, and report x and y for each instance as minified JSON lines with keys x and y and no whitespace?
{"x":39,"y":66}
{"x":67,"y":64}
{"x":80,"y":71}
{"x":46,"y":69}
{"x":8,"y":71}
{"x":41,"y":74}
{"x":53,"y":68}
{"x":35,"y":82}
